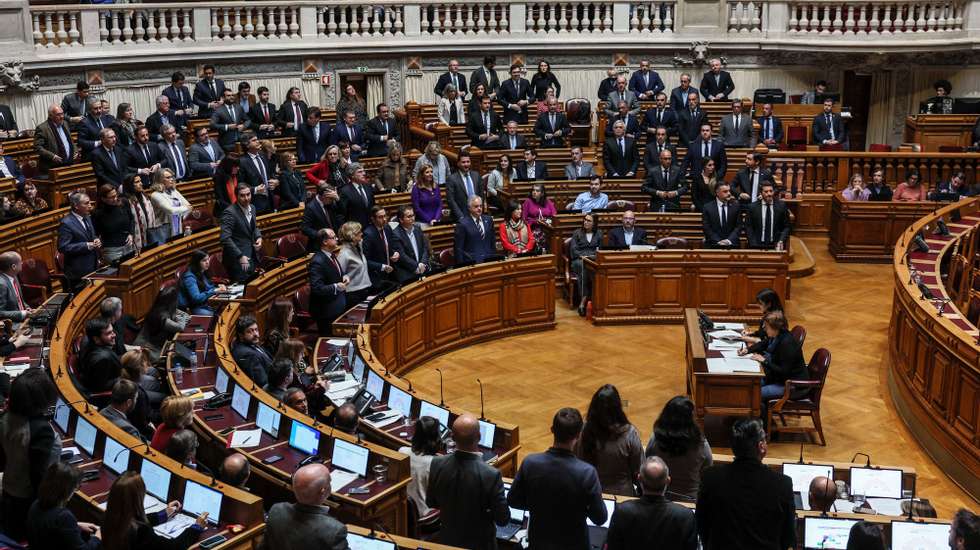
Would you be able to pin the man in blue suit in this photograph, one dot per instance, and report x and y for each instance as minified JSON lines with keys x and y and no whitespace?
{"x":473,"y":238}
{"x":328,"y":284}
{"x":828,"y":128}
{"x":9,"y":168}
{"x":646,"y":84}
{"x":91,"y":127}
{"x":78,"y":242}
{"x":350,"y":132}
{"x":313,"y":138}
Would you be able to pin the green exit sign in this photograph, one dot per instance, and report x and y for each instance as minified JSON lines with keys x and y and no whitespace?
{"x":362,"y":69}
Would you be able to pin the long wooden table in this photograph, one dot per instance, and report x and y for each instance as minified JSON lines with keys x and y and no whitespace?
{"x":866,"y":231}
{"x":657,"y":286}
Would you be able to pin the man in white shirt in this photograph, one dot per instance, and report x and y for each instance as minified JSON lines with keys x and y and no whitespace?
{"x":577,"y":168}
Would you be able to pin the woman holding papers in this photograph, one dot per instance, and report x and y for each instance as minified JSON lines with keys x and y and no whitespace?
{"x":782,"y":358}
{"x":127,"y":527}
{"x":769,"y":301}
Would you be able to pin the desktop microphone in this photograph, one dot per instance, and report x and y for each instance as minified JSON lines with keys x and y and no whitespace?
{"x":482,"y":415}
{"x":442,"y":402}
{"x":801,"y":453}
{"x":868,"y":465}
{"x":410,"y":390}
{"x":941,"y":228}
{"x":75,"y":403}
{"x":912,"y":501}
{"x":920,"y":243}
{"x":146,"y":451}
{"x":382,"y":528}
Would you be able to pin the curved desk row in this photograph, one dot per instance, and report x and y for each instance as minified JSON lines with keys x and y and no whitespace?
{"x":866,"y":231}
{"x":933,"y":374}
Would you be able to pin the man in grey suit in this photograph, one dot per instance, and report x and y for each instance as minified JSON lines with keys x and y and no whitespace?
{"x":240,"y":236}
{"x":124,"y":396}
{"x":736,"y":128}
{"x":621,"y":94}
{"x":174,"y":153}
{"x":307,"y":522}
{"x":578,"y":168}
{"x":230,"y":121}
{"x":12,"y":304}
{"x":204,"y":155}
{"x":468,"y":491}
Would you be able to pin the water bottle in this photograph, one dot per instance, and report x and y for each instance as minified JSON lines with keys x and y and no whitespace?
{"x":187,"y":231}
{"x":194,"y":361}
{"x":178,"y":373}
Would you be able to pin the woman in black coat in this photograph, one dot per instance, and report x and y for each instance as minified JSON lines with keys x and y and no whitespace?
{"x":292,"y":184}
{"x":52,"y":526}
{"x":782,"y":359}
{"x":542,"y":80}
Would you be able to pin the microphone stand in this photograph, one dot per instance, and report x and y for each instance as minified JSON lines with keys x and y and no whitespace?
{"x":442,"y":401}
{"x":482,"y":415}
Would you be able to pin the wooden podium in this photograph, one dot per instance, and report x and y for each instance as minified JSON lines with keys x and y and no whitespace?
{"x":934,"y":131}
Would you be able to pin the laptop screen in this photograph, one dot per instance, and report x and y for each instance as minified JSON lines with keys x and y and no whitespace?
{"x":487,"y":431}
{"x":156,"y":478}
{"x":85,"y":435}
{"x":350,"y":457}
{"x":304,"y":438}
{"x":199,"y":499}
{"x":829,"y":533}
{"x":803,"y":474}
{"x":220,"y":381}
{"x":910,"y":535}
{"x":440,"y":414}
{"x":400,"y":401}
{"x":115,"y":456}
{"x":360,"y":542}
{"x":62,"y":413}
{"x":375,"y":385}
{"x":875,"y":482}
{"x":240,"y":400}
{"x":267,"y":419}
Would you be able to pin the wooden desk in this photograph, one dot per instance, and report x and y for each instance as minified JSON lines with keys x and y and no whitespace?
{"x":934,"y":131}
{"x":866,"y":231}
{"x":736,"y":394}
{"x":657,"y":286}
{"x":35,"y":236}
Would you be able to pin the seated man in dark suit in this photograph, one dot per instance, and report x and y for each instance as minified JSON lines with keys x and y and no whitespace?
{"x":248,"y":352}
{"x":124,"y":395}
{"x":559,"y":490}
{"x":652,"y":521}
{"x":9,"y":168}
{"x":350,"y":132}
{"x":511,"y":139}
{"x":305,"y":523}
{"x":483,"y":127}
{"x":747,"y":185}
{"x":379,"y":248}
{"x":720,"y":219}
{"x":241,"y":239}
{"x":473,"y":239}
{"x":716,"y":84}
{"x":379,"y":130}
{"x":412,"y":245}
{"x":98,"y":364}
{"x":328,"y":283}
{"x":628,"y":234}
{"x":619,"y":153}
{"x":531,"y":169}
{"x":770,"y":128}
{"x":552,"y":126}
{"x":657,"y":145}
{"x":661,"y":116}
{"x":77,"y":242}
{"x":703,"y":148}
{"x":690,"y":121}
{"x":8,"y":124}
{"x":828,"y":128}
{"x":12,"y":304}
{"x":321,"y":212}
{"x":461,"y":185}
{"x":746,"y":505}
{"x":110,"y":163}
{"x":665,"y":184}
{"x":313,"y":137}
{"x":768,"y":220}
{"x":469,"y":493}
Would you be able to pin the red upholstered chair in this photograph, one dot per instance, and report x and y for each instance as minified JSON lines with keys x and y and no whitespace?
{"x":199,"y":219}
{"x":291,"y":246}
{"x":950,"y":149}
{"x":301,"y":306}
{"x":669,"y":243}
{"x":799,"y":333}
{"x":35,"y":281}
{"x":627,"y":205}
{"x":216,"y":270}
{"x":447,"y":258}
{"x":796,"y":135}
{"x":973,"y":309}
{"x":832,"y":147}
{"x":167,"y":283}
{"x":880,"y":148}
{"x":805,"y":405}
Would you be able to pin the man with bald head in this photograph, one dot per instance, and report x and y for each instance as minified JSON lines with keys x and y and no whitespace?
{"x":469,"y":493}
{"x":307,"y":522}
{"x":652,"y":521}
{"x":12,"y":304}
{"x":823,"y":493}
{"x":235,"y":471}
{"x":52,"y":142}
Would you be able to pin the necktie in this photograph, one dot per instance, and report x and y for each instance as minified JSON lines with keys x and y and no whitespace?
{"x":335,"y":264}
{"x":708,"y":148}
{"x":384,"y":238}
{"x":704,"y":150}
{"x":16,"y":286}
{"x":724,"y":214}
{"x":265,"y":112}
{"x":350,"y":132}
{"x":646,"y":80}
{"x":455,"y":82}
{"x":830,"y":126}
{"x":177,"y":161}
{"x":660,"y":116}
{"x":326,"y":214}
{"x":112,"y":156}
{"x":63,"y":144}
{"x":622,"y":147}
{"x":486,"y":122}
{"x":513,"y":142}
{"x":231,"y":113}
{"x":479,"y":225}
{"x":769,"y":128}
{"x":767,"y":225}
{"x":261,"y":166}
{"x":214,"y":90}
{"x":415,"y":245}
{"x":736,"y":123}
{"x":665,"y":175}
{"x":99,"y":122}
{"x":316,"y":133}
{"x":552,"y":122}
{"x":88,"y":227}
{"x":298,"y":115}
{"x":469,"y":185}
{"x":385,"y":123}
{"x":622,"y":96}
{"x":360,"y":190}
{"x":146,"y":154}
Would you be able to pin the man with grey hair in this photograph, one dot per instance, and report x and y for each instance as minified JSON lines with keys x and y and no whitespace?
{"x":173,"y":152}
{"x":110,"y":163}
{"x":473,"y":238}
{"x":652,"y":521}
{"x":619,"y":153}
{"x":91,"y":127}
{"x":111,"y":309}
{"x":716,"y":84}
{"x":357,"y":199}
{"x":12,"y":303}
{"x":162,"y":117}
{"x":52,"y":142}
{"x":621,"y":94}
{"x":307,"y":522}
{"x":78,"y":242}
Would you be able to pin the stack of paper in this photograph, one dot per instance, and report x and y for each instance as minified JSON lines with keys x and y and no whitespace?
{"x":720,"y":345}
{"x":886,"y":506}
{"x":340,"y":392}
{"x":726,"y":334}
{"x":730,"y":326}
{"x":245,"y":438}
{"x":175,"y":526}
{"x":340,"y":479}
{"x":390,"y":417}
{"x":729,"y":365}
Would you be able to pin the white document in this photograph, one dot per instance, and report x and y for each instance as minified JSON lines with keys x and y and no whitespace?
{"x":730,"y":326}
{"x":152,"y":504}
{"x":728,"y":366}
{"x":642,"y":247}
{"x":730,"y":353}
{"x":727,"y":334}
{"x":718,"y":345}
{"x":338,"y":342}
{"x":245,"y":438}
{"x":344,"y":385}
{"x":14,"y":370}
{"x":175,"y":526}
{"x":390,"y":417}
{"x":340,"y":479}
{"x":205,"y":395}
{"x":886,"y":506}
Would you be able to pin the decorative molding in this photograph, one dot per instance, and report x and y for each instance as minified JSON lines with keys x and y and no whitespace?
{"x":12,"y":77}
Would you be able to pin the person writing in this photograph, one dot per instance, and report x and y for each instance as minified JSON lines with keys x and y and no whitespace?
{"x":781,"y":360}
{"x":127,"y":527}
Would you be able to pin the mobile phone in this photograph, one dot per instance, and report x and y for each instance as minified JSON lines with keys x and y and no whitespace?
{"x":90,"y":475}
{"x":214,"y":417}
{"x":211,"y":542}
{"x":358,"y":491}
{"x":272,"y":459}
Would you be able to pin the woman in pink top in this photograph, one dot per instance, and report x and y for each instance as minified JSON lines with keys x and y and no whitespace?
{"x":537,"y":212}
{"x":910,"y":190}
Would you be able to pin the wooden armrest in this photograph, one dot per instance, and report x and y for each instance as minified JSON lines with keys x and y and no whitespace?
{"x":788,"y":387}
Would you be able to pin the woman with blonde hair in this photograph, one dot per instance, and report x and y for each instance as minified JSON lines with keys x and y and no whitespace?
{"x":394,"y":174}
{"x":433,"y":157}
{"x":176,"y":413}
{"x":169,"y":206}
{"x":353,"y":262}
{"x":855,"y":189}
{"x":499,"y":179}
{"x":330,"y":169}
{"x":426,"y":198}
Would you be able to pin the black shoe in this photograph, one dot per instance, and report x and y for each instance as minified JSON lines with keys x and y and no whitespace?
{"x":581,"y":311}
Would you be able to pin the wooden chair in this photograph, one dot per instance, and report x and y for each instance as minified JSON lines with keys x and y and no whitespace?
{"x":795,"y":136}
{"x":570,"y":278}
{"x":950,"y":149}
{"x":301,"y":306}
{"x":831,"y":146}
{"x":795,"y":402}
{"x":799,"y":333}
{"x":35,"y":281}
{"x":880,"y":148}
{"x":447,"y":258}
{"x":199,"y":219}
{"x":973,"y":309}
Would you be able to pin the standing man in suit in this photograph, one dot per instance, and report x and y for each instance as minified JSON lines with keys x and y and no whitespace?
{"x":208,"y":93}
{"x":469,"y":493}
{"x":720,"y":219}
{"x":645,"y":83}
{"x":108,"y":161}
{"x":412,"y":246}
{"x":559,"y":490}
{"x":244,"y":97}
{"x":745,"y":505}
{"x":690,"y":120}
{"x":241,"y":239}
{"x":162,"y":117}
{"x":680,"y":95}
{"x":703,"y":148}
{"x":91,"y":127}
{"x":770,"y":128}
{"x":483,"y":127}
{"x":256,"y":172}
{"x":660,"y":116}
{"x":321,"y":213}
{"x":551,"y":126}
{"x":515,"y":95}
{"x":307,"y":522}
{"x":473,"y":238}
{"x":454,"y":77}
{"x":665,"y":185}
{"x":122,"y":401}
{"x":350,"y":132}
{"x":379,"y":130}
{"x":292,"y":112}
{"x":487,"y":76}
{"x":263,"y":116}
{"x":181,"y":101}
{"x":313,"y":137}
{"x":659,"y":144}
{"x":52,"y":142}
{"x":768,"y":221}
{"x":204,"y":155}
{"x":75,"y":104}
{"x":379,"y":248}
{"x":512,"y":140}
{"x":531,"y":169}
{"x":619,"y":153}
{"x":828,"y":128}
{"x":608,"y":84}
{"x":9,"y":168}
{"x":230,"y":121}
{"x":12,"y":304}
{"x":578,"y":168}
{"x":328,"y":284}
{"x":461,"y":185}
{"x":145,"y":158}
{"x":632,"y":123}
{"x":652,"y":521}
{"x":716,"y":84}
{"x":173,"y":153}
{"x":747,"y":185}
{"x":736,"y":128}
{"x":357,"y":199}
{"x":78,"y":242}
{"x":8,"y":124}
{"x":627,"y":234}
{"x":624,"y":95}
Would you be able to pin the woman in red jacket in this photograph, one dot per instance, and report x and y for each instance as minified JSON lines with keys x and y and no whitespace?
{"x":515,"y":235}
